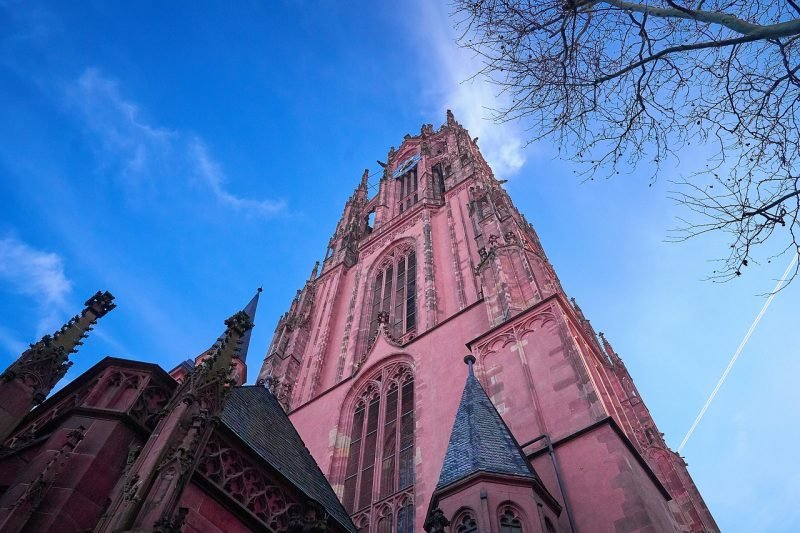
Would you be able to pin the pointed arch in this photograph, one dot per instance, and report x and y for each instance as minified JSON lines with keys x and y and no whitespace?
{"x":376,"y":437}
{"x":390,"y":296}
{"x":464,"y":521}
{"x":511,"y":518}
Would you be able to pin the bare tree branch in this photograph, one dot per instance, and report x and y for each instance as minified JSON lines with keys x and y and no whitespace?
{"x":625,"y":84}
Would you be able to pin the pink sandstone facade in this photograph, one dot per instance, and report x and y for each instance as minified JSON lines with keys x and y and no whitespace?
{"x":368,"y":363}
{"x":363,"y":417}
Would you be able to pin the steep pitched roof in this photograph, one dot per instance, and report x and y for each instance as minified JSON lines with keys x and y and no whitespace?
{"x":256,"y":417}
{"x":187,"y":366}
{"x":480,"y":440}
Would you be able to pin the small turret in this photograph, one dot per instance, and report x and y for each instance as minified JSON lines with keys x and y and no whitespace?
{"x":146,"y":498}
{"x":30,"y":378}
{"x":483,"y":459}
{"x":610,"y":353}
{"x":352,"y":227}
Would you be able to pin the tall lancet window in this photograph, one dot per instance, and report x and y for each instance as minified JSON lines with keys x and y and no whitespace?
{"x":379,"y":477}
{"x":394,"y":293}
{"x":409,"y":184}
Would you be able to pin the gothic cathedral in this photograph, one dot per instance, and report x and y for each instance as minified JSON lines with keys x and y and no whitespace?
{"x":368,"y":364}
{"x":431,"y":375}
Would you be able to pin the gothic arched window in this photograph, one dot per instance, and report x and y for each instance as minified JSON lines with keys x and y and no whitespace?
{"x":380,"y":464}
{"x":465,"y":523}
{"x":510,"y":521}
{"x":405,"y":517}
{"x":394,"y":293}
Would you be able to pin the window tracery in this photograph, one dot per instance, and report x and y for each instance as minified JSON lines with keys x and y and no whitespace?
{"x":379,"y":473}
{"x":465,"y":522}
{"x":394,"y":293}
{"x":245,"y":482}
{"x":510,"y":521}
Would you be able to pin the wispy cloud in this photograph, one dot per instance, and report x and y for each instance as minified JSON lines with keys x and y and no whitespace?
{"x":451,"y":71}
{"x":124,"y":138}
{"x":209,"y":171}
{"x":38,"y":274}
{"x":145,"y":152}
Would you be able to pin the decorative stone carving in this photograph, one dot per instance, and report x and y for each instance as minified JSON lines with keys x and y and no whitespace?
{"x":149,"y":406}
{"x":173,"y":524}
{"x":36,"y":490}
{"x":436,"y":521}
{"x":308,"y":518}
{"x":27,"y":434}
{"x":247,"y":484}
{"x":42,"y":365}
{"x":281,"y":388}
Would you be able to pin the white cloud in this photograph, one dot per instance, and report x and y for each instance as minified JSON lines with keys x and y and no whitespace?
{"x":125,"y":139}
{"x":209,"y":171}
{"x":469,"y":97}
{"x":144,"y":152}
{"x":38,"y":274}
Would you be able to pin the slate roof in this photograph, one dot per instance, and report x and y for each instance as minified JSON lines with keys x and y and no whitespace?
{"x":187,"y":365}
{"x":481,"y":441}
{"x":256,"y":417}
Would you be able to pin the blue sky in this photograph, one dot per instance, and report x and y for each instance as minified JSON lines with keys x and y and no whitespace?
{"x":182,"y":154}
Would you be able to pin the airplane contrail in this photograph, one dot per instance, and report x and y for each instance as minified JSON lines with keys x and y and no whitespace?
{"x":738,"y":352}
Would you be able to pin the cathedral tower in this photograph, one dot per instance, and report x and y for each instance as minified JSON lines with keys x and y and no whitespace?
{"x":367,"y":363}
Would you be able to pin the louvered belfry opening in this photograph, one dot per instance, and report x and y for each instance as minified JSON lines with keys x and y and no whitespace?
{"x":409,"y":185}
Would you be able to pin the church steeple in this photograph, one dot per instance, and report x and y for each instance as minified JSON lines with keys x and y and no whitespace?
{"x":30,"y":378}
{"x":250,"y":310}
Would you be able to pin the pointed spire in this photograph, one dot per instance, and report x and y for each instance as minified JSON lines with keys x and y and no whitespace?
{"x":43,"y":364}
{"x":230,"y":345}
{"x":250,"y":311}
{"x":30,"y":378}
{"x":577,"y":309}
{"x":610,"y":353}
{"x":480,"y":441}
{"x":147,"y":497}
{"x":364,"y":179}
